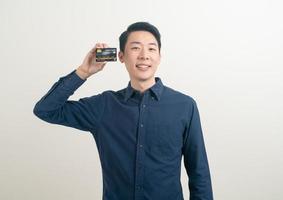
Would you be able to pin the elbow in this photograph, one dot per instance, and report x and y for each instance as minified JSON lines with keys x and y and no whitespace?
{"x":40,"y":111}
{"x":37,"y":111}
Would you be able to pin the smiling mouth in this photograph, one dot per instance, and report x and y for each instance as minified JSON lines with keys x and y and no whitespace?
{"x":143,"y":66}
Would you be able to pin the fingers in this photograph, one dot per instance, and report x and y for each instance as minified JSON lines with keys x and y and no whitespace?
{"x":101,"y":45}
{"x":104,"y":45}
{"x":98,"y":45}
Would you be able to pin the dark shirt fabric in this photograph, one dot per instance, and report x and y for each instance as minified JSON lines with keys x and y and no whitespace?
{"x":141,"y":138}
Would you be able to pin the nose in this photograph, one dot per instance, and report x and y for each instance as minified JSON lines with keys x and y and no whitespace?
{"x":143,"y":55}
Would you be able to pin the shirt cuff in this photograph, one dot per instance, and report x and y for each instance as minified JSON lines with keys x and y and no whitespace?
{"x":72,"y":81}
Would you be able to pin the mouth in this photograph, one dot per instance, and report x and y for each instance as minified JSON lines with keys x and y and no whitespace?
{"x":143,"y":67}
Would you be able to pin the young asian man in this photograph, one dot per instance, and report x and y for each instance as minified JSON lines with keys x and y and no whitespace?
{"x":141,"y":131}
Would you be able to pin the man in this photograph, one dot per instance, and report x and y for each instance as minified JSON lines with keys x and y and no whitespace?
{"x":141,"y":131}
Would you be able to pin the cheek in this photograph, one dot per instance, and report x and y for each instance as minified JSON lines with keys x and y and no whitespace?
{"x":156,"y":60}
{"x":131,"y":61}
{"x":130,"y":66}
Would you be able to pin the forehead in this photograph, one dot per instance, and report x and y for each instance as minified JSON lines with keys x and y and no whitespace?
{"x":143,"y":37}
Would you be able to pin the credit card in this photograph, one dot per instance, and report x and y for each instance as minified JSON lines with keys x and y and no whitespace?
{"x":106,"y":54}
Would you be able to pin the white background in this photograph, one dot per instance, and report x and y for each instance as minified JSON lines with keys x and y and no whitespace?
{"x":227,"y":55}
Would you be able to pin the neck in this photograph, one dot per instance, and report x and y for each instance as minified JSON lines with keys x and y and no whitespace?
{"x":142,"y":85}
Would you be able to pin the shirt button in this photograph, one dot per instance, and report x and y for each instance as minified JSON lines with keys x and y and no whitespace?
{"x":141,"y":125}
{"x":139,"y":187}
{"x":143,"y":105}
{"x":141,"y":146}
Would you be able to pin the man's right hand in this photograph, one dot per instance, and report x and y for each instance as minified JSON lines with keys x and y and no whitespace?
{"x":89,"y":65}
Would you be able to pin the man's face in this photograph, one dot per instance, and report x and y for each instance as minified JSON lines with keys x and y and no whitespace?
{"x":141,"y":56}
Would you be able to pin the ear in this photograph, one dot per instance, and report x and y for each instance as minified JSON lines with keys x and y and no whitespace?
{"x":121,"y":56}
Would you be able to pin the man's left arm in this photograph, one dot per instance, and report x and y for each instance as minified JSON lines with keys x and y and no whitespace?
{"x":195,"y":158}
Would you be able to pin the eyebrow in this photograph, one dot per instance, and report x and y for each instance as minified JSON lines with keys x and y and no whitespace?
{"x":151,"y":43}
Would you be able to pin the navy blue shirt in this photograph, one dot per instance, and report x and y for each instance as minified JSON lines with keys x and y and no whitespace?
{"x":141,"y":138}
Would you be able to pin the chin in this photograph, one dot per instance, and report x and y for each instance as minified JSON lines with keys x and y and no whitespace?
{"x":144,"y":78}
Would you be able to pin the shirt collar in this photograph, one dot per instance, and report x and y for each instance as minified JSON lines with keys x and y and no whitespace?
{"x":156,"y":89}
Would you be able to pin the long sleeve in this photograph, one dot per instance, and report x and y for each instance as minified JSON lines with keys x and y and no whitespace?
{"x":54,"y":107}
{"x":195,"y":158}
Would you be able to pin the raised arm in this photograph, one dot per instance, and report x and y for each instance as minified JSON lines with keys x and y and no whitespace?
{"x":84,"y":114}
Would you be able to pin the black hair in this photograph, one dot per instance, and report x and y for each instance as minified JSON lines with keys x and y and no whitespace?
{"x":139,"y":26}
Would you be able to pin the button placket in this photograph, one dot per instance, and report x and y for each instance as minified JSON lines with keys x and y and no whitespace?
{"x":140,"y":146}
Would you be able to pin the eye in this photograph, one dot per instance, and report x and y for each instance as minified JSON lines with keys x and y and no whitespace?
{"x":152,"y":49}
{"x":135,"y":48}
